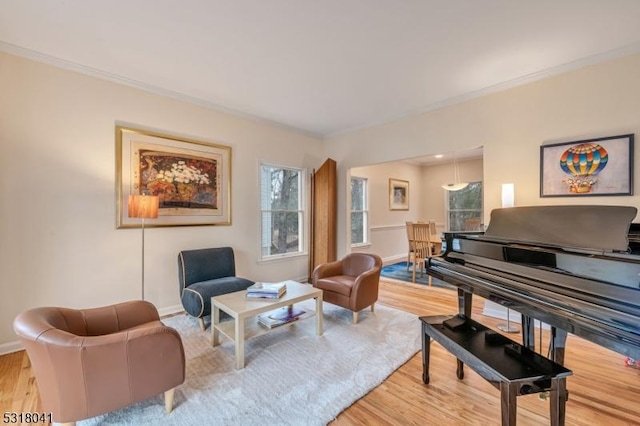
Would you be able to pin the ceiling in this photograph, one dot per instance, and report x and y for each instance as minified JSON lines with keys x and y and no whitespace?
{"x":322,"y":67}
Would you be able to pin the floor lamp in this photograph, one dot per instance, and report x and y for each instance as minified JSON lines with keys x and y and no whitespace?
{"x":508,"y":201}
{"x":143,"y":207}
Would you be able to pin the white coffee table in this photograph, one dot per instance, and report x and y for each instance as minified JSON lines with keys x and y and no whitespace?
{"x":238,"y":306}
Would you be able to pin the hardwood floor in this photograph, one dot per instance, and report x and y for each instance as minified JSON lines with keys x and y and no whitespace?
{"x":602,"y":390}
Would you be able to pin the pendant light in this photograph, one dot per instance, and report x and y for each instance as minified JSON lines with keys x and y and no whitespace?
{"x":457,"y":185}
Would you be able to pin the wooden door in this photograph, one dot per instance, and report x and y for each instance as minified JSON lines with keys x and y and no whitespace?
{"x":324,"y":212}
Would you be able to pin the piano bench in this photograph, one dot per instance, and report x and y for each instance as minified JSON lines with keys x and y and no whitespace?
{"x":512,"y":368}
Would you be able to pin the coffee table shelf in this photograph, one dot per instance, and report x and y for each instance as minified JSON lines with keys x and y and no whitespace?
{"x":245,"y":311}
{"x":253,"y":329}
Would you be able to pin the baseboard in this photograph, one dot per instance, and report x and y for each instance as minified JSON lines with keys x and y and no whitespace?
{"x":495,"y":310}
{"x":390,"y":260}
{"x":170,"y":310}
{"x":7,"y":348}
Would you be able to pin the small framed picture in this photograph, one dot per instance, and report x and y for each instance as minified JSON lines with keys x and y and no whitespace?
{"x":398,"y":194}
{"x":590,"y":167}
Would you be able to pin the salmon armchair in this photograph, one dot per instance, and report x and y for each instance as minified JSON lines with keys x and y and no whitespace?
{"x":89,"y":362}
{"x":351,"y":283}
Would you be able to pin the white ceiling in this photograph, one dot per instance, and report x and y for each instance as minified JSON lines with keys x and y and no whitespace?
{"x":321,"y":66}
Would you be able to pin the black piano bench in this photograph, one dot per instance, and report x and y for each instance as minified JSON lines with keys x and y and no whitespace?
{"x":509,"y":366}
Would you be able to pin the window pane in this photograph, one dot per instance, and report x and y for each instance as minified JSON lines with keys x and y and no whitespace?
{"x":357,"y":227}
{"x":357,"y":194}
{"x":467,"y":198}
{"x":284,"y":235}
{"x":281,"y":187}
{"x":465,"y":208}
{"x":465,"y":220}
{"x":281,"y":205}
{"x":359,"y":233}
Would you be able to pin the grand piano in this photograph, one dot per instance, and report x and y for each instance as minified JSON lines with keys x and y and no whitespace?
{"x":571,"y":267}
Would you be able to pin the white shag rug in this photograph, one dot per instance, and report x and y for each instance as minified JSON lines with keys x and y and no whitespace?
{"x":291,"y":377}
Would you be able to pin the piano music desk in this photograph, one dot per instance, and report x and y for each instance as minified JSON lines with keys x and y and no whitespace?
{"x":507,"y":365}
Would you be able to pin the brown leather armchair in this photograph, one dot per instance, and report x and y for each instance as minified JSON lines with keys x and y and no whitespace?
{"x":351,"y":283}
{"x":92,"y":361}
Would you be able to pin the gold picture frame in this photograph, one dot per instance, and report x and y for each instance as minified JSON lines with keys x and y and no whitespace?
{"x":398,"y":194}
{"x":192,"y":178}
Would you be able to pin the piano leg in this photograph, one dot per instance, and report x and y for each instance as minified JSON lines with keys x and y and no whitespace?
{"x":528,"y":332}
{"x":557,"y":344}
{"x":426,"y":346}
{"x":464,"y":303}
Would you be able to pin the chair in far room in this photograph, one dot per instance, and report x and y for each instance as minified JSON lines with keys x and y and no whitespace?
{"x":422,"y":248}
{"x":204,"y":273}
{"x":410,"y":253}
{"x":89,"y":362}
{"x":351,"y":282}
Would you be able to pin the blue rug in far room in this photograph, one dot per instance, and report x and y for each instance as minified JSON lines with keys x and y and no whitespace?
{"x":398,"y":271}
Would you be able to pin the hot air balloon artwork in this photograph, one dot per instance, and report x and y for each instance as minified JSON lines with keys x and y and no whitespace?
{"x":583,"y":163}
{"x":589,"y":167}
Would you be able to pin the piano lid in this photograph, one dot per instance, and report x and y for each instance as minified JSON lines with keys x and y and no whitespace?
{"x":588,"y":227}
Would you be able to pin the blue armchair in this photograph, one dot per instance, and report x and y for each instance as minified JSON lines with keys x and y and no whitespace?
{"x":205,"y":273}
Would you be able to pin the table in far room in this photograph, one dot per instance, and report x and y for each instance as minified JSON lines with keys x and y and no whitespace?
{"x":241,"y":309}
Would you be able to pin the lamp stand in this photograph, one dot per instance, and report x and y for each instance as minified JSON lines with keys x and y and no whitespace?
{"x":142,"y":258}
{"x":508,"y":328}
{"x":143,"y":207}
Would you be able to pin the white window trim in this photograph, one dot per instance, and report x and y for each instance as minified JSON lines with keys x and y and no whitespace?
{"x":303,"y":251}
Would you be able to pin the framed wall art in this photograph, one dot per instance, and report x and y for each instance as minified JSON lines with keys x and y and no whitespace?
{"x":398,"y":194}
{"x":590,"y":167}
{"x":191,"y":178}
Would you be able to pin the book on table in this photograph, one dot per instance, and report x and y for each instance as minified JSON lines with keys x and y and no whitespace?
{"x":263,"y":295}
{"x":288,"y":313}
{"x":280,"y":316}
{"x":264,"y":320}
{"x":267,"y":290}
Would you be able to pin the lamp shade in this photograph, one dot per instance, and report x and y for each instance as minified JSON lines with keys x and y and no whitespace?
{"x":508,"y":195}
{"x":455,"y":186}
{"x":143,"y":206}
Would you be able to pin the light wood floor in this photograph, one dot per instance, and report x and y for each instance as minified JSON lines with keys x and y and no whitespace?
{"x":602,"y":390}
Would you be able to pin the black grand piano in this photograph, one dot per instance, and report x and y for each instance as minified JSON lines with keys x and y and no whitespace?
{"x":572,"y":267}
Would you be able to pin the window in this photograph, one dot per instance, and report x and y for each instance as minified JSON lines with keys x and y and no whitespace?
{"x":359,"y":212}
{"x":464,"y":208}
{"x":281,"y":204}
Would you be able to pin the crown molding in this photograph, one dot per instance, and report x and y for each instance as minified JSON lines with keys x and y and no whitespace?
{"x":520,"y":81}
{"x":628,"y":50}
{"x":93,"y":72}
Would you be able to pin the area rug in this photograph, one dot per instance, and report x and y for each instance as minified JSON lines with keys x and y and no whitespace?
{"x":292,"y":377}
{"x":398,"y":271}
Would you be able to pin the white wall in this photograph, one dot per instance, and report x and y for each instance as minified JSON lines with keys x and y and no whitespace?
{"x":59,"y":245}
{"x":426,"y":201}
{"x":388,"y":234}
{"x":599,"y":100}
{"x":433,"y":176}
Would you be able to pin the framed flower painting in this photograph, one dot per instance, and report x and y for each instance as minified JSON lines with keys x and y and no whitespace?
{"x":191,"y":178}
